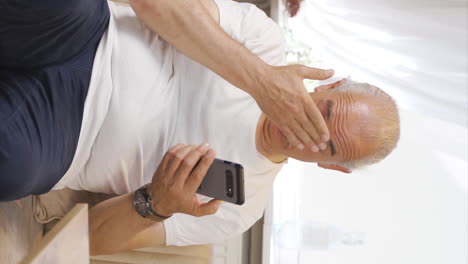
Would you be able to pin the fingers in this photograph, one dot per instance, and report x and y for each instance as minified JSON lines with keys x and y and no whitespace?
{"x":314,"y":73}
{"x":170,"y":154}
{"x":199,"y":173}
{"x":307,"y":132}
{"x":208,"y":208}
{"x":308,"y":129}
{"x":176,"y":180}
{"x":308,"y":135}
{"x":189,"y":161}
{"x":292,"y":138}
{"x":313,"y":124}
{"x":321,"y":133}
{"x":176,"y":156}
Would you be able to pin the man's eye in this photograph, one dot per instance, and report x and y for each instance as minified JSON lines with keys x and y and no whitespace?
{"x":332,"y":148}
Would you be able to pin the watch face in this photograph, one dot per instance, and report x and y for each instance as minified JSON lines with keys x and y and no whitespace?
{"x":140,"y":204}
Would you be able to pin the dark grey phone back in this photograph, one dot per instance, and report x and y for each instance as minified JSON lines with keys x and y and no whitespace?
{"x":224,"y":181}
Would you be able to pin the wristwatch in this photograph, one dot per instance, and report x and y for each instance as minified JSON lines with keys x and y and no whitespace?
{"x":143,"y":206}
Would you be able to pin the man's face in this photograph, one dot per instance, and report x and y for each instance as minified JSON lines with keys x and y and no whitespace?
{"x":347,"y":117}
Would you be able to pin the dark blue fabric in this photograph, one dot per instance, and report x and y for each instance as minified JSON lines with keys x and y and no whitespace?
{"x":47,"y":50}
{"x":38,"y":33}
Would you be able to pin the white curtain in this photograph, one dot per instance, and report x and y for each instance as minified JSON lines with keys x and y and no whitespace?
{"x":416,"y":50}
{"x":413,"y":206}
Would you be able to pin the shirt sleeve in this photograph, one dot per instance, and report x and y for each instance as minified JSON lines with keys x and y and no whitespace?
{"x":254,"y":29}
{"x":230,"y":220}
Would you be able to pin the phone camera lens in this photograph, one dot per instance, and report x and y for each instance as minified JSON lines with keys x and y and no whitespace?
{"x":229,"y":183}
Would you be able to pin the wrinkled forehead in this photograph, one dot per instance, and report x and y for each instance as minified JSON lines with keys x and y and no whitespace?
{"x":350,"y":119}
{"x":344,"y":103}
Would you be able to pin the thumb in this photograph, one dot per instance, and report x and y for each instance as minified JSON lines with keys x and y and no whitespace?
{"x":208,"y":208}
{"x":315,"y":73}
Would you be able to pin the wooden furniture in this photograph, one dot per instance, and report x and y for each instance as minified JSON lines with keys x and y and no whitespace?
{"x":67,"y":242}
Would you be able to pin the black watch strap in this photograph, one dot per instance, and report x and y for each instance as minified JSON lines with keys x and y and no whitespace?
{"x":145,"y":208}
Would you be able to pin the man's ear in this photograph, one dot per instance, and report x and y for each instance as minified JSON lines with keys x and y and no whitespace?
{"x":330,"y":86}
{"x":333,"y":167}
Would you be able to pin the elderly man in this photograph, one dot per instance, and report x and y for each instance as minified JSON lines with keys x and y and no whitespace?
{"x":55,"y":63}
{"x":161,"y":98}
{"x":144,"y":98}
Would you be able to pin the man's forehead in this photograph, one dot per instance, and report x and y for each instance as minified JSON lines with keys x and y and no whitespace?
{"x":358,"y":103}
{"x":356,"y":126}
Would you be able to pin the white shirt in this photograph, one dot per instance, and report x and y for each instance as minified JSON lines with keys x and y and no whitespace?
{"x":160,"y":98}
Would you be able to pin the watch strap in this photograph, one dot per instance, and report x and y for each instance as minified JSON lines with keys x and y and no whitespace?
{"x":150,"y":213}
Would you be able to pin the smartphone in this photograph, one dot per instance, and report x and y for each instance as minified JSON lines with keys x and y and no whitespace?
{"x":224,"y":181}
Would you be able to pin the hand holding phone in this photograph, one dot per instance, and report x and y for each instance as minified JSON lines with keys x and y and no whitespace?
{"x":178,"y":176}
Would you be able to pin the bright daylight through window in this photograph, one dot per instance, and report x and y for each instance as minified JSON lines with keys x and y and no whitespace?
{"x":412,"y":207}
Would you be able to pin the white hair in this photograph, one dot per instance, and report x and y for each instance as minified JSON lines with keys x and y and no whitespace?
{"x":384,"y":132}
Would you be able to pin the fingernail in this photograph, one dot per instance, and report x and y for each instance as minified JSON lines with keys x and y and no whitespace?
{"x":300,"y":146}
{"x":204,"y":146}
{"x":329,"y":72}
{"x":315,"y":148}
{"x":210,"y":154}
{"x":323,"y":146}
{"x":325,"y":138}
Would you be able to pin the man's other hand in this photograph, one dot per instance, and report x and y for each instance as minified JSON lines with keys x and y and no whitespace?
{"x":177,"y":179}
{"x":284,"y":99}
